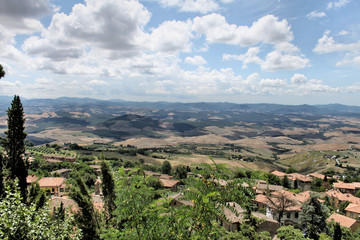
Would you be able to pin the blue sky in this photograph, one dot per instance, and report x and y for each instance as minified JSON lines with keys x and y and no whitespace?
{"x":272,"y":51}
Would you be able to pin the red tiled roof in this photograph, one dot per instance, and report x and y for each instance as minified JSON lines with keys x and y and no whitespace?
{"x":31,"y":179}
{"x":317,"y":175}
{"x":297,"y":176}
{"x":169,"y":183}
{"x":353,"y":208}
{"x":343,"y":196}
{"x":343,"y":220}
{"x":51,"y":181}
{"x":342,"y":185}
{"x":278,"y":173}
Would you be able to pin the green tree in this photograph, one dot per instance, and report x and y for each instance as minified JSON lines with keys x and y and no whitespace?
{"x":2,"y":72}
{"x":36,"y":195}
{"x":313,"y":217}
{"x":22,"y":221}
{"x":1,"y":176}
{"x":337,"y":232}
{"x":166,"y":167}
{"x":108,"y":189}
{"x":14,"y":145}
{"x":285,"y":182}
{"x":342,"y":206}
{"x":290,"y":233}
{"x":290,"y":170}
{"x":86,"y":218}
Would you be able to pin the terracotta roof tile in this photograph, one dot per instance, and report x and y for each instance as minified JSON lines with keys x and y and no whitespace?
{"x":353,"y":208}
{"x":51,"y":181}
{"x":31,"y":179}
{"x":343,"y":220}
{"x":169,"y":183}
{"x":278,"y":173}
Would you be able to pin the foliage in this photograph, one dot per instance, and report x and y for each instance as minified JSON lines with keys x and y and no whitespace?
{"x":36,"y":195}
{"x":108,"y":189}
{"x":317,"y":185}
{"x":181,"y":172}
{"x":285,"y":182}
{"x":290,"y":233}
{"x":290,"y":170}
{"x":1,"y":175}
{"x":2,"y":72}
{"x":166,"y":167}
{"x":313,"y":217}
{"x":14,"y":144}
{"x":86,"y":218}
{"x":342,"y":206}
{"x":20,"y":221}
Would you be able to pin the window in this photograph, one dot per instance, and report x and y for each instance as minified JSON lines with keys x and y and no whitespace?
{"x":296,"y":215}
{"x":53,"y":190}
{"x":288,"y":215}
{"x":61,"y":190}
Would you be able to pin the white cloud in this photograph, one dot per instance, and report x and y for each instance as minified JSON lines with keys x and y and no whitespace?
{"x":267,"y":29}
{"x":337,"y":4}
{"x":315,"y":14}
{"x":98,"y":82}
{"x":327,"y":44}
{"x":249,"y":57}
{"x":172,"y":36}
{"x":298,"y":78}
{"x":196,"y":60}
{"x":284,"y":57}
{"x":343,"y":33}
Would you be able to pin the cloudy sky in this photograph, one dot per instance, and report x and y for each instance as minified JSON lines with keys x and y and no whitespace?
{"x":244,"y":51}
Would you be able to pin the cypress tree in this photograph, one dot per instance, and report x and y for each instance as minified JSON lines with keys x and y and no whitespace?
{"x":2,"y":72}
{"x":14,"y":145}
{"x":1,"y":177}
{"x":108,"y":189}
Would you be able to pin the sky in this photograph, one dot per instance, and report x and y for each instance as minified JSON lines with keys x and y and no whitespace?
{"x":242,"y":51}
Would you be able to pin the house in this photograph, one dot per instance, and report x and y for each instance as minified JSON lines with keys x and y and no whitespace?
{"x":279,"y":174}
{"x":353,"y":211}
{"x":54,"y":158}
{"x":170,"y":183}
{"x":233,"y":216}
{"x":336,"y":197}
{"x":151,"y":173}
{"x":30,"y":179}
{"x":351,"y":188}
{"x":262,"y":188}
{"x":303,"y":182}
{"x":52,"y":185}
{"x":68,"y":203}
{"x":288,"y":202}
{"x":344,"y":221}
{"x":177,"y":201}
{"x":317,"y":175}
{"x":61,"y":172}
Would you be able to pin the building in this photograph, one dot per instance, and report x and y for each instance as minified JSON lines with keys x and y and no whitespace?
{"x":54,"y":158}
{"x":30,"y":179}
{"x":62,"y":172}
{"x":303,"y":182}
{"x":351,"y":188}
{"x":279,"y":174}
{"x":337,"y":197}
{"x":52,"y":185}
{"x":317,"y":175}
{"x":233,"y":216}
{"x":170,"y":184}
{"x":344,"y":221}
{"x":353,"y":211}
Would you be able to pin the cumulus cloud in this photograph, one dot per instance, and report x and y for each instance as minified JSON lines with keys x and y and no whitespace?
{"x":327,"y":44}
{"x":285,"y":56}
{"x":268,"y":29}
{"x":196,"y":60}
{"x":315,"y":14}
{"x":172,"y":36}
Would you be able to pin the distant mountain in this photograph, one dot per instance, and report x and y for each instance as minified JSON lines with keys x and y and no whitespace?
{"x":117,"y":106}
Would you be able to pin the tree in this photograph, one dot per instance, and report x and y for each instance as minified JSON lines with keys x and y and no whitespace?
{"x":85,"y":218}
{"x":1,"y":176}
{"x":108,"y":189}
{"x":166,"y":167}
{"x":279,"y":203}
{"x":337,"y":232}
{"x":22,"y":221}
{"x":313,"y":217}
{"x":285,"y":182}
{"x":14,"y":144}
{"x":290,"y":170}
{"x":290,"y":233}
{"x":2,"y":72}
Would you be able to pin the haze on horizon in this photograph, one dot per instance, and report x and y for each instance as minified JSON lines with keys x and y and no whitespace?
{"x":260,"y":51}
